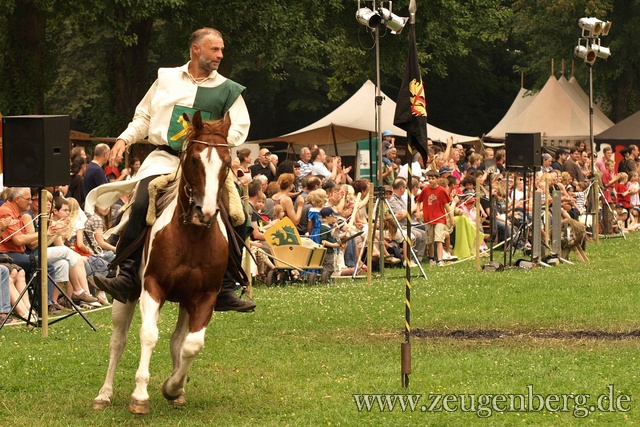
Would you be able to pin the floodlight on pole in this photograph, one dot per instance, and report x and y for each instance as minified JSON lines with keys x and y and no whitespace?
{"x":589,"y":49}
{"x":368,"y":17}
{"x":376,"y":17}
{"x":591,"y":25}
{"x":392,"y":21}
{"x":380,"y":16}
{"x":600,"y":51}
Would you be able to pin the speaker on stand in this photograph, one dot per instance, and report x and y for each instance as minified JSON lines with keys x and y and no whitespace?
{"x":524,"y":150}
{"x":36,"y":154}
{"x":35,"y":151}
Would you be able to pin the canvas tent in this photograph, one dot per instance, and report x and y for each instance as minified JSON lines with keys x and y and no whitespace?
{"x":354,"y":120}
{"x":573,"y":88}
{"x":626,"y":132}
{"x":558,"y":113}
{"x":520,"y":103}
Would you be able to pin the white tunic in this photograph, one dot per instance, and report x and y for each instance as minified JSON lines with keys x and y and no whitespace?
{"x":153,"y":118}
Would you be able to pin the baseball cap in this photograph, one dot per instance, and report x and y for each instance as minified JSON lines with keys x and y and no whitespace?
{"x":445,"y":169}
{"x":326,"y":212}
{"x":387,"y":133}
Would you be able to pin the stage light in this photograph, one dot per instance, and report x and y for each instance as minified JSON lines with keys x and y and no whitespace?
{"x":592,"y":25}
{"x":601,"y":51}
{"x":392,"y":21}
{"x":369,"y":18}
{"x":585,"y":53}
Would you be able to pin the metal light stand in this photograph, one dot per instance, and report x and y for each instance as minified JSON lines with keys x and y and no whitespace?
{"x":592,"y":28}
{"x":396,"y":24}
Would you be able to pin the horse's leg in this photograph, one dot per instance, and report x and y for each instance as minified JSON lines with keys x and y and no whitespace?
{"x":149,"y":311}
{"x":177,"y":340}
{"x":121,"y":316}
{"x":173,"y":387}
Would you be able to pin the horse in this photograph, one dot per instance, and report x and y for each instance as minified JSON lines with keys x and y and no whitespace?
{"x":185,"y":257}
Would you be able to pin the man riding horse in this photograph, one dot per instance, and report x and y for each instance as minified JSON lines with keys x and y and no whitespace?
{"x":159,"y":116}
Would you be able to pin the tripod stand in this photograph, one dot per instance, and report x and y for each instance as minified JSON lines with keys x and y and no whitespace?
{"x":37,"y":294}
{"x":378,"y":208}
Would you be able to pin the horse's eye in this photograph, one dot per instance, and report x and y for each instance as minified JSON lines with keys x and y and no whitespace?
{"x":194,"y":161}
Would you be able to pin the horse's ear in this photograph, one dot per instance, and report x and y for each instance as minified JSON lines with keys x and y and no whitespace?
{"x":186,"y":117}
{"x":226,"y":124}
{"x":196,"y":122}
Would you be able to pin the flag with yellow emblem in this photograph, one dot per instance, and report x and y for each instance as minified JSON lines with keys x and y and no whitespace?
{"x":411,"y":105}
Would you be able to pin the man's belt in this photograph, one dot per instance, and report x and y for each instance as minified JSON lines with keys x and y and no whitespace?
{"x":168,"y":149}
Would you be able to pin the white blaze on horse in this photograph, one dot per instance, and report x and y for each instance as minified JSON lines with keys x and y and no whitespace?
{"x":185,"y":258}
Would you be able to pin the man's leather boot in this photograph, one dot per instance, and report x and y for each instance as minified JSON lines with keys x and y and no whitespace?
{"x":119,"y":287}
{"x":228,"y":300}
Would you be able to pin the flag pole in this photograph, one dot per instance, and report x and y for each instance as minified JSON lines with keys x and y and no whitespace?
{"x":405,"y":347}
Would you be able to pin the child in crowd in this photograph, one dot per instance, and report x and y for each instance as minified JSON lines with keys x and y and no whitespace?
{"x":328,"y":239}
{"x":435,"y":200}
{"x":622,"y":192}
{"x":259,"y":247}
{"x":317,"y":199}
{"x":581,"y":196}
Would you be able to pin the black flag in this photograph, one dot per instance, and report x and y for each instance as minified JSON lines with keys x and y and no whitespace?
{"x":411,"y":106}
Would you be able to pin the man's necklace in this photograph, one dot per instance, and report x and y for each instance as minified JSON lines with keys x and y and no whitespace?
{"x":197,"y":81}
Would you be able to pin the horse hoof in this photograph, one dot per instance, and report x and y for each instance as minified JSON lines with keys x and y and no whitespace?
{"x":171,"y":397}
{"x":179,"y":401}
{"x":99,"y":404}
{"x":139,"y":407}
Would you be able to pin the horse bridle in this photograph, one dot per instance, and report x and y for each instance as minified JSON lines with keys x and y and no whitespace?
{"x":193,"y":209}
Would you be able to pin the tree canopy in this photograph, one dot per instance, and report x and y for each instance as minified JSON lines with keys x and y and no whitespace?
{"x":95,"y":60}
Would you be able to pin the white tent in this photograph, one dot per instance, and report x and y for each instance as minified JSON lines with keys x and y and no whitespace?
{"x":573,"y":88}
{"x":556,"y":114}
{"x":520,"y":103}
{"x":354,"y":120}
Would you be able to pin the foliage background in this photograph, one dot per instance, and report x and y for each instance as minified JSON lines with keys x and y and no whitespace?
{"x":95,"y":60}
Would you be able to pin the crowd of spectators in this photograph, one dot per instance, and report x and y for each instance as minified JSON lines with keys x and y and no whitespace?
{"x":327,"y":205}
{"x":76,"y":248}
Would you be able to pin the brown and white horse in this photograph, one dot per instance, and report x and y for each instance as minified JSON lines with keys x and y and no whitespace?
{"x":183,"y":262}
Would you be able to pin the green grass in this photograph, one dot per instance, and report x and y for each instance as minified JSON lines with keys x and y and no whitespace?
{"x":302,"y":355}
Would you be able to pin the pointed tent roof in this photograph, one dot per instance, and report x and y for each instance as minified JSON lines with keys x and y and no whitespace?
{"x":626,"y":132}
{"x":520,"y":103}
{"x":555,"y":114}
{"x":354,"y":120}
{"x":573,"y":88}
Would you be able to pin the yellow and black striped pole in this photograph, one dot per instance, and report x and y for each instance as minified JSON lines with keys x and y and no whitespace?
{"x":405,"y":347}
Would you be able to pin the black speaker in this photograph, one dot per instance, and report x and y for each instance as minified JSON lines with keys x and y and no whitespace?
{"x":523,"y":150}
{"x":35,"y":151}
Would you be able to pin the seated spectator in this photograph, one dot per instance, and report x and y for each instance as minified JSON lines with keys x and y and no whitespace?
{"x":76,"y":188}
{"x":259,"y":245}
{"x":134,"y":167}
{"x":399,"y":208}
{"x":305,"y":163}
{"x":282,"y":197}
{"x":73,"y":271}
{"x":5,"y":297}
{"x":264,"y":166}
{"x":318,"y":158}
{"x":16,"y":237}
